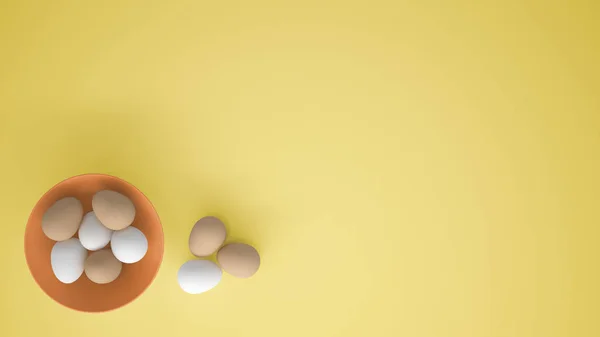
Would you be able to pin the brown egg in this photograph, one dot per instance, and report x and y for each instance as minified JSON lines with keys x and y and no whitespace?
{"x":102,"y":267}
{"x":113,"y":209}
{"x":239,"y":260}
{"x":61,"y":221}
{"x":207,"y":236}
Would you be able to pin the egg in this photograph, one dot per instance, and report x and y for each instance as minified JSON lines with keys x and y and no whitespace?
{"x":113,"y":209}
{"x":92,"y":234}
{"x":129,"y":245}
{"x":62,"y":219}
{"x":239,"y":260}
{"x":208,"y":234}
{"x":67,"y":259}
{"x":102,"y":267}
{"x":198,"y":276}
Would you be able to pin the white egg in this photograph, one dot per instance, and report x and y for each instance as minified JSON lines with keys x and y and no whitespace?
{"x":92,"y":233}
{"x":129,"y":245}
{"x":198,"y":276}
{"x":67,"y":259}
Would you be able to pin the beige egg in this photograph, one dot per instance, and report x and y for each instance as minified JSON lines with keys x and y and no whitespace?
{"x":61,"y":221}
{"x":102,"y":267}
{"x":113,"y":209}
{"x":239,"y":260}
{"x":207,"y":236}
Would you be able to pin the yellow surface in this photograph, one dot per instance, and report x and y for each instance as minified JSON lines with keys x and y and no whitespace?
{"x":405,"y":169}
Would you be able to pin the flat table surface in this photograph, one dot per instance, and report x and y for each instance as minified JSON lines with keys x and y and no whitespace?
{"x":422,"y":169}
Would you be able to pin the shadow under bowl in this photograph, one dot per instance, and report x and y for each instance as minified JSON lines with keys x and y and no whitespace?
{"x":83,"y":294}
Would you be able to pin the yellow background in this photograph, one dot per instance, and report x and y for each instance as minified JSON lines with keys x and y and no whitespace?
{"x":405,"y":168}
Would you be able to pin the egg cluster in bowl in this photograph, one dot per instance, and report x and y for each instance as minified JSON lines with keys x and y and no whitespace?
{"x":108,"y":224}
{"x":110,"y":199}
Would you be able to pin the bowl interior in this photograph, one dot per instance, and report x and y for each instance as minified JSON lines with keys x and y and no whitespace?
{"x":84,"y":295}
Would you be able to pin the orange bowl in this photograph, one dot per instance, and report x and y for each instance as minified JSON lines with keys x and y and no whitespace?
{"x":83,"y":294}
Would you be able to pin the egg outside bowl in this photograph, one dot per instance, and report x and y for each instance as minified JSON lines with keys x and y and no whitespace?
{"x":83,"y":294}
